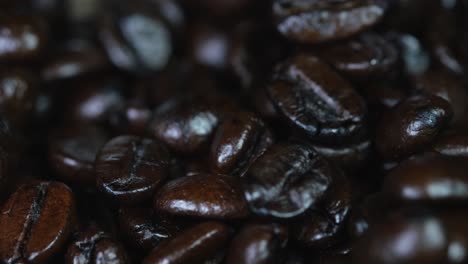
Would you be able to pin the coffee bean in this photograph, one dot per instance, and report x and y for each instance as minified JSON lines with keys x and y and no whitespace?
{"x":319,"y":21}
{"x":452,"y":144}
{"x":95,"y":246}
{"x":36,"y":221}
{"x":317,"y":101}
{"x":131,"y":118}
{"x":350,"y":156}
{"x":129,"y":168}
{"x":412,"y":124}
{"x":144,"y":231}
{"x":287,"y":180}
{"x":365,"y":56}
{"x":257,"y":243}
{"x":23,"y":38}
{"x":72,"y":155}
{"x":192,"y":245}
{"x":203,"y":196}
{"x":238,"y":142}
{"x":209,"y":46}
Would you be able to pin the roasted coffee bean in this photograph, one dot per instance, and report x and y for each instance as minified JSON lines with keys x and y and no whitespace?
{"x":22,"y":38}
{"x":184,"y":127}
{"x":452,"y":144}
{"x":132,"y":118}
{"x":350,"y":157}
{"x":144,"y":231}
{"x":429,"y":178}
{"x":130,"y":168}
{"x":93,"y":101}
{"x":78,"y":58}
{"x":94,"y":246}
{"x":412,"y":124}
{"x":287,"y":180}
{"x":447,"y":86}
{"x":72,"y":154}
{"x":203,"y":196}
{"x":136,"y":36}
{"x":416,"y":59}
{"x":18,"y":93}
{"x":36,"y":221}
{"x":257,"y":243}
{"x":209,"y":46}
{"x":423,"y":238}
{"x":317,"y":101}
{"x":193,"y":245}
{"x":366,"y":56}
{"x":238,"y":142}
{"x":318,"y":21}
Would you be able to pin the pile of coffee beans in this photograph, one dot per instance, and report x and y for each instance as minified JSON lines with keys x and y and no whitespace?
{"x":234,"y":131}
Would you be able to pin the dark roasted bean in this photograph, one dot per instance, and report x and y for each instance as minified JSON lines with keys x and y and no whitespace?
{"x":36,"y":222}
{"x":193,"y":245}
{"x":318,"y":20}
{"x":412,"y":124}
{"x":452,"y":144}
{"x":94,"y":246}
{"x":287,"y":180}
{"x":129,"y":168}
{"x":209,"y":46}
{"x":257,"y":243}
{"x":132,"y":118}
{"x":204,"y":196}
{"x":350,"y":157}
{"x":317,"y":101}
{"x":238,"y":142}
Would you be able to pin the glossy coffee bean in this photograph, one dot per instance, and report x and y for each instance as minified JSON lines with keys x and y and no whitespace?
{"x":129,"y":168}
{"x":36,"y":221}
{"x":318,"y":21}
{"x":429,"y":178}
{"x":365,"y":56}
{"x":238,"y":142}
{"x":95,"y":246}
{"x":193,"y":245}
{"x":426,"y":238}
{"x":18,"y":94}
{"x":22,"y":38}
{"x":316,"y":100}
{"x":452,"y":144}
{"x":72,"y":154}
{"x":144,"y":231}
{"x":257,"y":243}
{"x":203,"y":196}
{"x":184,"y":127}
{"x":448,"y":86}
{"x":350,"y":156}
{"x":287,"y":180}
{"x":131,"y":119}
{"x":136,"y":36}
{"x":77,"y":59}
{"x":412,"y":124}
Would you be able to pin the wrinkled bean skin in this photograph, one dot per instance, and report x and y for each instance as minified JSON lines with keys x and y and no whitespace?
{"x":257,"y":244}
{"x":36,"y":221}
{"x":317,"y":101}
{"x":94,"y":246}
{"x":72,"y":155}
{"x":129,"y":168}
{"x":202,"y":196}
{"x":324,"y":20}
{"x":25,"y":38}
{"x":439,"y":179}
{"x":368,"y":55}
{"x":193,"y":245}
{"x":431,"y":238}
{"x":412,"y":124}
{"x":238,"y":142}
{"x":142,"y":231}
{"x":287,"y":180}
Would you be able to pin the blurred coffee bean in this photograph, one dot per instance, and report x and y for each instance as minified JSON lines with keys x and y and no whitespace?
{"x":409,"y":126}
{"x":319,"y":21}
{"x":202,"y":196}
{"x":209,"y":46}
{"x":257,"y":243}
{"x":193,"y":245}
{"x":129,"y":168}
{"x":37,"y":221}
{"x":131,"y":118}
{"x":287,"y":180}
{"x":238,"y":142}
{"x":95,"y":246}
{"x":452,"y":144}
{"x":317,"y":101}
